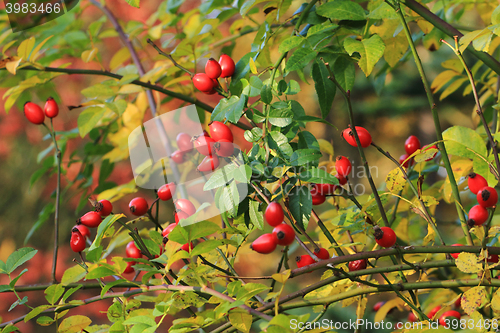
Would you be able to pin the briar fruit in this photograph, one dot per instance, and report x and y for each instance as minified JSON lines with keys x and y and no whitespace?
{"x":90,"y":219}
{"x":129,"y":269}
{"x":227,"y":66}
{"x":209,"y":164}
{"x":285,"y":234}
{"x":476,"y":182}
{"x":274,"y":214}
{"x":224,"y":148}
{"x":317,"y":198}
{"x":487,"y":197}
{"x":304,"y":260}
{"x":365,"y":139}
{"x":385,"y":236}
{"x":77,"y":241}
{"x":104,"y":207}
{"x":447,"y":318}
{"x":265,"y":244}
{"x":405,"y":161}
{"x":184,"y":142}
{"x":220,"y":131}
{"x":203,"y":82}
{"x":138,"y":206}
{"x":324,"y":189}
{"x":132,"y":251}
{"x":477,"y":215}
{"x":178,"y":157}
{"x":412,"y":144}
{"x":322,"y":253}
{"x":83,"y":230}
{"x":343,"y":166}
{"x":357,"y":265}
{"x":166,"y":191}
{"x":180,"y":216}
{"x":204,"y":145}
{"x":184,"y":205}
{"x":51,"y":109}
{"x":34,"y":113}
{"x":455,"y":255}
{"x":168,"y":229}
{"x":213,"y":69}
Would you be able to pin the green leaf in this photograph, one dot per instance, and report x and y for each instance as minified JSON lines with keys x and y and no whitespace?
{"x":266,"y":94}
{"x":73,"y":274}
{"x":35,"y":312}
{"x":88,"y":119}
{"x":344,"y":72}
{"x":279,"y":142}
{"x":370,"y":50}
{"x":98,"y":90}
{"x":14,"y":281}
{"x":231,"y":108}
{"x":44,"y":321}
{"x":241,"y":320}
{"x":140,"y":320}
{"x":193,"y":231}
{"x":301,"y":205}
{"x":18,"y":302}
{"x":249,"y":290}
{"x":300,"y":58}
{"x":99,"y":272}
{"x":290,"y":43}
{"x":243,"y":173}
{"x":110,"y":285}
{"x":325,"y":88}
{"x":18,"y":258}
{"x":74,"y":324}
{"x":280,"y":117}
{"x":254,"y":135}
{"x":253,"y":87}
{"x":53,"y":293}
{"x":342,"y":10}
{"x":256,"y":215}
{"x":308,"y":141}
{"x":220,"y":177}
{"x":304,"y":156}
{"x":206,"y":246}
{"x":101,"y":230}
{"x":71,"y":291}
{"x":317,"y":175}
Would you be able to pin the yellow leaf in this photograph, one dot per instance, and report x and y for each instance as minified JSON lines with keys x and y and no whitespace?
{"x":325,"y":147}
{"x":74,"y":324}
{"x":452,"y":88}
{"x":88,"y":55}
{"x":282,"y":277}
{"x":468,"y":263}
{"x":12,"y":65}
{"x":422,"y":155}
{"x":388,"y":306}
{"x":142,"y":102}
{"x":241,"y":320}
{"x":431,"y":235}
{"x":119,"y":58}
{"x":429,"y":200}
{"x":395,"y":180}
{"x":425,"y":26}
{"x":155,"y":32}
{"x":36,"y":52}
{"x":471,"y":36}
{"x":395,"y":48}
{"x":130,"y":89}
{"x":25,"y":48}
{"x":7,"y":46}
{"x":478,"y":322}
{"x":495,"y":302}
{"x":473,"y":299}
{"x":360,"y":310}
{"x":253,"y":68}
{"x":442,"y":79}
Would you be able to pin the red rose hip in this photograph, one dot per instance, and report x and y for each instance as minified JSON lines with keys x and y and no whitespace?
{"x":265,"y":244}
{"x":285,"y":234}
{"x":343,"y":166}
{"x":412,"y":144}
{"x":219,"y":131}
{"x":91,"y":219}
{"x":138,"y":206}
{"x":476,"y":182}
{"x":385,"y":236}
{"x":477,"y":215}
{"x":227,"y":66}
{"x":203,"y":82}
{"x":34,"y":113}
{"x":166,"y":191}
{"x":51,"y":109}
{"x":274,"y":214}
{"x":487,"y":197}
{"x":213,"y":69}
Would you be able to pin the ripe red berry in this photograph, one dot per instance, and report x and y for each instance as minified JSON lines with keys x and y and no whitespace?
{"x":343,"y":166}
{"x":458,"y":302}
{"x":342,"y":180}
{"x":324,"y":188}
{"x":412,"y":144}
{"x":455,"y":255}
{"x":322,"y":253}
{"x":104,"y":207}
{"x":132,"y":251}
{"x":51,"y":109}
{"x":285,"y":234}
{"x":492,"y":258}
{"x":138,"y":206}
{"x":224,"y":148}
{"x":166,"y":191}
{"x":412,"y":318}
{"x":209,"y":164}
{"x":357,"y":265}
{"x":213,"y":69}
{"x":433,"y":312}
{"x":129,"y":269}
{"x":476,"y":182}
{"x":364,"y":136}
{"x":204,"y":145}
{"x":91,"y":219}
{"x":184,"y":142}
{"x":219,"y":131}
{"x":487,"y":197}
{"x":450,"y":315}
{"x":378,"y":305}
{"x":187,"y":247}
{"x":265,"y":244}
{"x":317,"y":198}
{"x":274,"y":214}
{"x":184,"y":205}
{"x":178,"y":157}
{"x":34,"y":113}
{"x":77,"y":241}
{"x":385,"y":236}
{"x":83,"y":230}
{"x":203,"y":82}
{"x":406,"y":162}
{"x":227,"y":65}
{"x":180,"y":216}
{"x":168,"y":229}
{"x":477,"y":215}
{"x":304,"y":260}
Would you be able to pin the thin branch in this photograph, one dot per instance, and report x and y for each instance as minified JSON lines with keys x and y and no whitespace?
{"x":169,"y":56}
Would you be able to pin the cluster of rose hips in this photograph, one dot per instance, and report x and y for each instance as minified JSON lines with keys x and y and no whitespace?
{"x":282,"y":234}
{"x":450,"y":314}
{"x":207,"y":82}
{"x":80,"y":232}
{"x":487,"y":197}
{"x":36,"y":115}
{"x":412,"y":144}
{"x":319,"y":192}
{"x":219,"y":143}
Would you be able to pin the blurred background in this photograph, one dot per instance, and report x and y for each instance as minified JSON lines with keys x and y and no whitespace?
{"x":391,"y":113}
